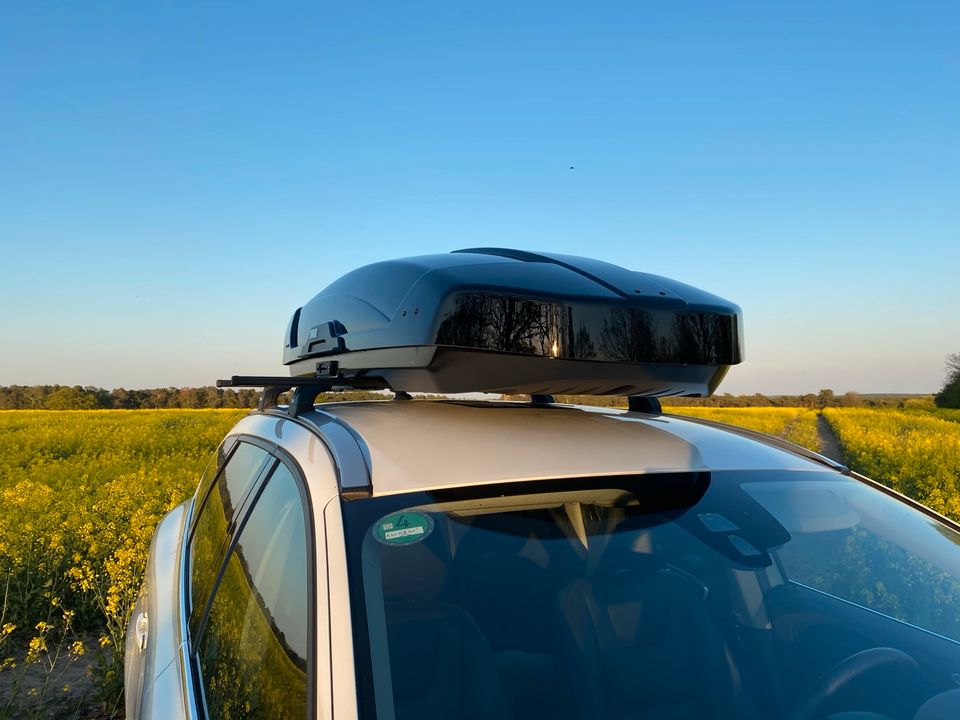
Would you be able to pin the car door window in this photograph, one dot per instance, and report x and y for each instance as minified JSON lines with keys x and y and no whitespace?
{"x":213,"y":524}
{"x":253,"y":651}
{"x":210,"y":474}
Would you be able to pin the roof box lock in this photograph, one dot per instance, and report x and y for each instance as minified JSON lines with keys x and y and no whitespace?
{"x":509,"y":321}
{"x":328,"y":369}
{"x":326,"y":338}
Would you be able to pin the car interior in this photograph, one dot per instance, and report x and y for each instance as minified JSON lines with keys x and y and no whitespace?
{"x":585,"y":605}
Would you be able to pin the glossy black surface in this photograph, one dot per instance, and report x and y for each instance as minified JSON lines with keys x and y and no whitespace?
{"x":588,"y":332}
{"x":388,"y":320}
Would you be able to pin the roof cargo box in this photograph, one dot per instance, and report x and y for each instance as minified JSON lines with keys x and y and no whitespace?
{"x":509,"y":321}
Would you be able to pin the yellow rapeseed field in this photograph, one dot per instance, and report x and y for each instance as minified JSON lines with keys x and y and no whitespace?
{"x":946,"y":414}
{"x":798,"y":425}
{"x":916,"y":453}
{"x":80,"y":495}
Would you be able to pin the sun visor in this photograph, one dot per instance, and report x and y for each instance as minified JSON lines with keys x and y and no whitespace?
{"x":498,"y":320}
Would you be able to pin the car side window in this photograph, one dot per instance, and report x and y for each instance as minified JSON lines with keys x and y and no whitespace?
{"x":253,"y":652}
{"x":210,"y":473}
{"x":213,"y":525}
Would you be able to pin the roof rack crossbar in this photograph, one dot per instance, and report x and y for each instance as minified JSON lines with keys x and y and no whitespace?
{"x":270,"y":397}
{"x":303,"y":399}
{"x":305,"y":389}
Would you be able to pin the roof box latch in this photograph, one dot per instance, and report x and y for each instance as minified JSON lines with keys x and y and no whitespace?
{"x":326,"y":338}
{"x":328,"y":369}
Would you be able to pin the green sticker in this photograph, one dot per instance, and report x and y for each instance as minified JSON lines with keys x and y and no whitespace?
{"x":403,"y":528}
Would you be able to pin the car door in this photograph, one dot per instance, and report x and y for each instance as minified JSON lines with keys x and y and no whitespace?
{"x":252,"y":618}
{"x":155,"y":679}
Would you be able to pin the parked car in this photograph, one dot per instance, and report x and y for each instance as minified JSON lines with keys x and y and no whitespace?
{"x":464,"y":558}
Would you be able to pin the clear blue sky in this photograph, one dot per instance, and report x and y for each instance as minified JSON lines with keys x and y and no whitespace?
{"x":176,"y":178}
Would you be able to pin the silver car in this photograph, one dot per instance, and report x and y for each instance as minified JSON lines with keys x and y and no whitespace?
{"x":480,"y":559}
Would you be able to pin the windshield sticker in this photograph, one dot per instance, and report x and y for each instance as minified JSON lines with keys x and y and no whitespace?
{"x":403,"y":528}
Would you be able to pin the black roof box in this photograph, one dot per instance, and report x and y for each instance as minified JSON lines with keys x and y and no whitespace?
{"x":509,"y":321}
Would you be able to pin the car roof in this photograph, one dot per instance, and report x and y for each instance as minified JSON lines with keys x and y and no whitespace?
{"x":421,"y":445}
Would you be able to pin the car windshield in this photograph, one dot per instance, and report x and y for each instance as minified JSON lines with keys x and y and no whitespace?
{"x":755,"y":594}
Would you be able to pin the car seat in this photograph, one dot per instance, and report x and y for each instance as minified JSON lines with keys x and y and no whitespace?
{"x":441,"y":664}
{"x":508,"y":571}
{"x":638,"y":642}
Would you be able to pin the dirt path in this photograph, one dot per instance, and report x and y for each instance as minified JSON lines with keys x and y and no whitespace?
{"x":829,"y":445}
{"x":70,"y":688}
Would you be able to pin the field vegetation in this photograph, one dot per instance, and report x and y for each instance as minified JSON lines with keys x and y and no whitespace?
{"x":82,"y":491}
{"x":798,"y":425}
{"x":915,"y":452}
{"x":80,"y":495}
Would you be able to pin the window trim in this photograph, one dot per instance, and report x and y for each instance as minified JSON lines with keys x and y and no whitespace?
{"x":277,"y":456}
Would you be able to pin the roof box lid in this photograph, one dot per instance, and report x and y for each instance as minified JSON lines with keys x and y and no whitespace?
{"x":510,"y":321}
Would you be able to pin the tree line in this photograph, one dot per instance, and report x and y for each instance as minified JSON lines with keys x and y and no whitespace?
{"x":77,"y":397}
